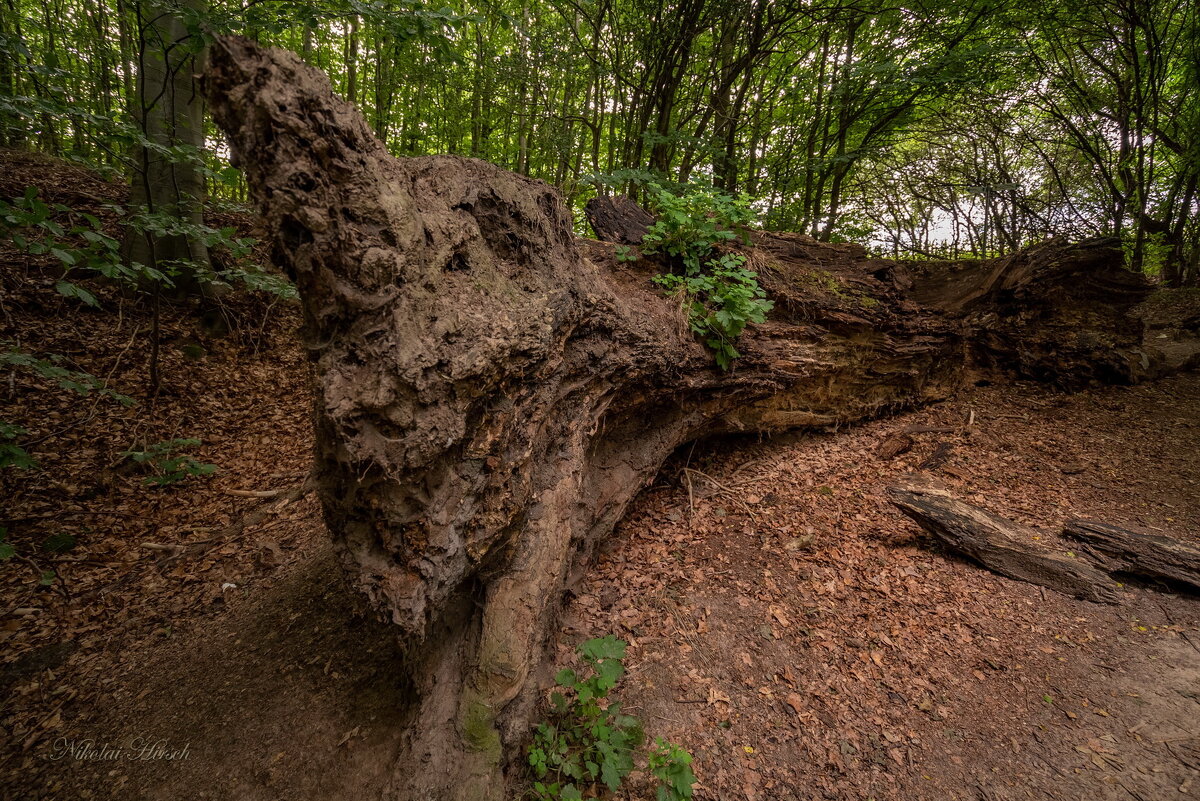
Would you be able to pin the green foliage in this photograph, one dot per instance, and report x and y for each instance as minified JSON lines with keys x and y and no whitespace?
{"x":59,"y":542}
{"x":7,"y":551}
{"x":32,"y":227}
{"x":588,"y":738}
{"x":166,"y":466}
{"x":721,"y":295}
{"x":874,"y":135}
{"x":50,"y":368}
{"x":35,"y":228}
{"x":693,"y":222}
{"x":160,"y":225}
{"x":672,"y":766}
{"x":12,"y":454}
{"x":589,"y":741}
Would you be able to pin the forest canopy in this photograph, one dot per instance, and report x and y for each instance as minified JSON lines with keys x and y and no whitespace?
{"x":931,"y":129}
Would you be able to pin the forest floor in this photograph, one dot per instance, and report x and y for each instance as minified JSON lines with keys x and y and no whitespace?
{"x":786,"y":624}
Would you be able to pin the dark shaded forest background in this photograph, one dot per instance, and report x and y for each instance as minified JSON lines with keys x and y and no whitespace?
{"x":929,"y":129}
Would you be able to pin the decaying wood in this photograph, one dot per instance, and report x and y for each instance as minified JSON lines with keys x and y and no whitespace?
{"x":1058,"y":311}
{"x":618,"y":219}
{"x":492,"y":392}
{"x":1121,"y":551}
{"x":1001,"y":545}
{"x":894,"y":445}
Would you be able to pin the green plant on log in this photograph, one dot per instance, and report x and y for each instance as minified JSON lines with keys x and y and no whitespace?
{"x":722,"y":296}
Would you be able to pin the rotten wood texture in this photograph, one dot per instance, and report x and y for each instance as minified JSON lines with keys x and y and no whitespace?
{"x":1058,"y":311}
{"x":492,"y":392}
{"x":1121,"y":551}
{"x":618,"y":219}
{"x":1001,"y":545}
{"x":895,"y":445}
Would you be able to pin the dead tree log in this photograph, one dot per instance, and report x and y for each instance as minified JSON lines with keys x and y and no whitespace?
{"x":1001,"y":545}
{"x":618,"y":219}
{"x":1121,"y":551}
{"x":1058,"y":311}
{"x":492,"y":392}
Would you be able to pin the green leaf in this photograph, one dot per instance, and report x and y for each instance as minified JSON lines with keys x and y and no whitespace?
{"x":607,"y":647}
{"x":60,"y":542}
{"x":70,"y":290}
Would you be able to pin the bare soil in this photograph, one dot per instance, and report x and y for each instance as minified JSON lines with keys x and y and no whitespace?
{"x":805,"y":641}
{"x":786,"y":624}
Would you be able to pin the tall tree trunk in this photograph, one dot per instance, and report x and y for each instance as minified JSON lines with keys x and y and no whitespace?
{"x":352,"y":61}
{"x":170,"y":112}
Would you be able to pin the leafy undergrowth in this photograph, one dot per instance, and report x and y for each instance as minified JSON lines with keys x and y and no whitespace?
{"x":589,"y":745}
{"x":122,"y":523}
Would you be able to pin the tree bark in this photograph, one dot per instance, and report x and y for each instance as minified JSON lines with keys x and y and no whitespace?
{"x":618,"y":219}
{"x":1121,"y":551}
{"x":493,"y":392}
{"x":170,"y":111}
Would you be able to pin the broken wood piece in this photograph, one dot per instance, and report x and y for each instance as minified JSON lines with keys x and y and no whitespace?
{"x":618,"y":219}
{"x":1120,"y":550}
{"x":895,"y":445}
{"x":921,"y":429}
{"x":161,"y":547}
{"x":939,"y":456}
{"x":1001,"y":545}
{"x":275,"y":493}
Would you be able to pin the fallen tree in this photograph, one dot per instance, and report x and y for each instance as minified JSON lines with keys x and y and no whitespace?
{"x":492,"y":391}
{"x":1058,"y":311}
{"x":1014,"y":550}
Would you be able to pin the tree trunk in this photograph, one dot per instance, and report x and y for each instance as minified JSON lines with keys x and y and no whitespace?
{"x":618,"y":219}
{"x":1057,"y":311}
{"x":493,"y":392}
{"x":170,"y":112}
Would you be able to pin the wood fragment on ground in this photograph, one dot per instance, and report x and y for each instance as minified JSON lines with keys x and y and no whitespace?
{"x":895,"y":445}
{"x":1120,"y":550}
{"x":1001,"y":545}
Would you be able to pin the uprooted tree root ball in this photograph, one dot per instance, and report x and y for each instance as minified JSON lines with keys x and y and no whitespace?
{"x":492,"y":392}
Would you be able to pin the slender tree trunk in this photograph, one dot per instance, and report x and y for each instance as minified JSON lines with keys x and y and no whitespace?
{"x":352,"y":61}
{"x":170,"y":111}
